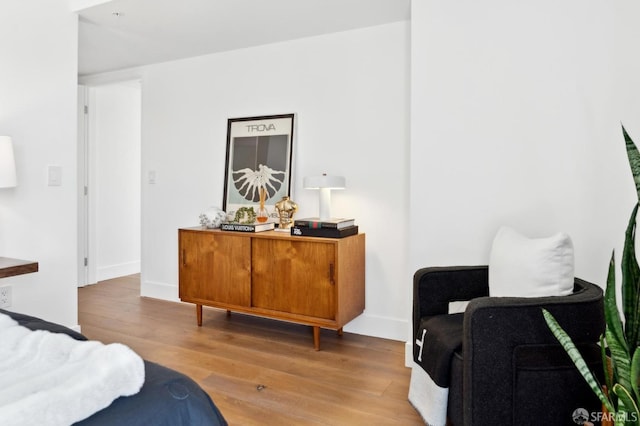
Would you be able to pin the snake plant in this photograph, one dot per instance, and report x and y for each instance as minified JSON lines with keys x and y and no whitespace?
{"x":621,"y":339}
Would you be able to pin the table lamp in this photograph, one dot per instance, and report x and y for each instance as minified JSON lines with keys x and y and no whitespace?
{"x":7,"y":163}
{"x":324,"y":184}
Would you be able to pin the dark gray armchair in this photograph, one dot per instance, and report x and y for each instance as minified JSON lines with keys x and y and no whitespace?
{"x":505,"y":366}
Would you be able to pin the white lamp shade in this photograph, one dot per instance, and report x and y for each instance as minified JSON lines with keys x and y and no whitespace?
{"x":7,"y":163}
{"x":324,"y":181}
{"x":325,"y":184}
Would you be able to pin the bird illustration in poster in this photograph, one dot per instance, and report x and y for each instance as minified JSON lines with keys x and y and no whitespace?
{"x":259,"y":162}
{"x":250,"y":181}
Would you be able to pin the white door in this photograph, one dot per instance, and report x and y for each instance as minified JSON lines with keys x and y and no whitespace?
{"x":109,"y":237}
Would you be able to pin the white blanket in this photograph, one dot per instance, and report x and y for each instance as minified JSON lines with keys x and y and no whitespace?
{"x":51,"y":379}
{"x":429,"y":399}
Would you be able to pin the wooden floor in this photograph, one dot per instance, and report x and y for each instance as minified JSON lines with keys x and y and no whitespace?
{"x":257,"y":371}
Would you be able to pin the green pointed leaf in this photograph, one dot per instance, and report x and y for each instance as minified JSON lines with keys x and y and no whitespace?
{"x":635,"y":373}
{"x":610,"y":375}
{"x":620,"y":359}
{"x":630,"y":277}
{"x":628,"y":412}
{"x":634,"y":159}
{"x":571,"y":350}
{"x":608,"y":379}
{"x":611,"y":314}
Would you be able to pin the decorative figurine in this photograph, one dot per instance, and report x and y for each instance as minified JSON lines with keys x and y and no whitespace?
{"x":286,"y":208}
{"x":212,"y":217}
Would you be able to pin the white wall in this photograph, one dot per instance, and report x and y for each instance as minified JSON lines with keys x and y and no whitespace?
{"x":351,"y":96}
{"x":515,"y":113}
{"x":515,"y":120}
{"x":115,"y":121}
{"x":38,"y":57}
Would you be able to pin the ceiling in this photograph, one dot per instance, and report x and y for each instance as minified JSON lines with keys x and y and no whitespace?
{"x":121,"y":34}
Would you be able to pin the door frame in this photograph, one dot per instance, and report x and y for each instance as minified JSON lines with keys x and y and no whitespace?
{"x":87,"y":180}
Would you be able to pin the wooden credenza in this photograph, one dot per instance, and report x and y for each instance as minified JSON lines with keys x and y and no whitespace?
{"x":319,"y":282}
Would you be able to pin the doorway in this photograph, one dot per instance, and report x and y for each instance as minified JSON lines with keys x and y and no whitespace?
{"x":109,"y":181}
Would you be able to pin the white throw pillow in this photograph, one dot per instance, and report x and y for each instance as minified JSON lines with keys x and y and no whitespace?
{"x":530,"y":267}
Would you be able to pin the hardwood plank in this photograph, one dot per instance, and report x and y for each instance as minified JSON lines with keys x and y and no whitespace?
{"x":354,"y":379}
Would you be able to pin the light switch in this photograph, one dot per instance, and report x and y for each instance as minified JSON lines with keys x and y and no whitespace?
{"x":54,"y":176}
{"x":152,"y":177}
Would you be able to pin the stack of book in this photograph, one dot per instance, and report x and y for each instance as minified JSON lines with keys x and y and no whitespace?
{"x":330,"y":228}
{"x":241,"y":227}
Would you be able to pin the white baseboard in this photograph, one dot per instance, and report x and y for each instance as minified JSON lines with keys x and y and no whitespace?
{"x":158,"y":290}
{"x":378,"y":326}
{"x":366,"y":324}
{"x":120,"y":270}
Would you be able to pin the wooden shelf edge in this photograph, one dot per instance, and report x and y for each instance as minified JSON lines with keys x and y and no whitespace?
{"x":11,"y":267}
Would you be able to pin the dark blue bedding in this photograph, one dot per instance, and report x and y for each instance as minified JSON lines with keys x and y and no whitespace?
{"x":167,"y":397}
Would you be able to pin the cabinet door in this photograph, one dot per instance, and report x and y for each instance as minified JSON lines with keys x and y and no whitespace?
{"x":215,"y":267}
{"x":294,"y":276}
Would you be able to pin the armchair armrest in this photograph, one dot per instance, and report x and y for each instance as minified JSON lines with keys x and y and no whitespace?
{"x":435,"y":287}
{"x":495,"y":327}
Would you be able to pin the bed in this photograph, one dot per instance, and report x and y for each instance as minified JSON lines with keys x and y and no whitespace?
{"x":167,"y":397}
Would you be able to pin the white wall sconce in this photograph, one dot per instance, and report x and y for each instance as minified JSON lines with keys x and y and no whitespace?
{"x":324,"y":184}
{"x":7,"y":163}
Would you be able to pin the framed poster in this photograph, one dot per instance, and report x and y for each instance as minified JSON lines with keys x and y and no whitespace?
{"x":258,"y":164}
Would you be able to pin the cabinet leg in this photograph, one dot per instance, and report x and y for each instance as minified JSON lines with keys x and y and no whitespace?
{"x":199,"y":315}
{"x":316,"y":338}
{"x":228,"y":313}
{"x":340,"y":331}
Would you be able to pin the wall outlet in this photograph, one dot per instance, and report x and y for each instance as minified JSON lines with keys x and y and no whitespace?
{"x":5,"y":296}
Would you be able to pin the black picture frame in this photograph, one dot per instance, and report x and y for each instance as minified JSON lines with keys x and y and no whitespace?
{"x":259,"y":154}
